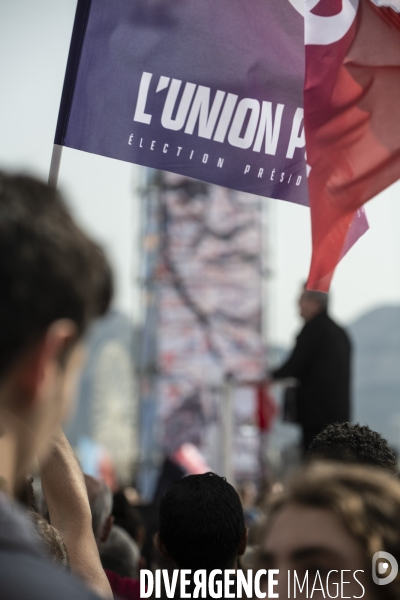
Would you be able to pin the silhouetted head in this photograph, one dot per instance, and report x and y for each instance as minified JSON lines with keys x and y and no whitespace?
{"x":312,"y":304}
{"x":202,"y":523}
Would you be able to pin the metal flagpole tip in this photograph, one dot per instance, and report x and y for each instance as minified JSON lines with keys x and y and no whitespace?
{"x":55,"y":165}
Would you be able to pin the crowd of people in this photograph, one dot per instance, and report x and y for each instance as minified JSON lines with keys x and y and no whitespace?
{"x":65,"y":535}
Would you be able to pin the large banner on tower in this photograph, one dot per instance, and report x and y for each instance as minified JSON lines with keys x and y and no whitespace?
{"x":210,"y":302}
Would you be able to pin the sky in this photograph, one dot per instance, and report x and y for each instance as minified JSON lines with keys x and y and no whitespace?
{"x":34,"y":43}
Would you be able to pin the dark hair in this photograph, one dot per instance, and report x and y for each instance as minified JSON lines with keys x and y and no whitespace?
{"x":25,"y":493}
{"x":201,"y":522}
{"x":322,"y":298}
{"x":51,"y":539}
{"x":101,"y":501}
{"x":127,"y":517}
{"x":49,"y":268}
{"x":345,"y":442}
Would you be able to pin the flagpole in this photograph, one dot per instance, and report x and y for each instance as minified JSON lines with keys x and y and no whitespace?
{"x":265,"y":324}
{"x":55,"y":165}
{"x":227,"y":429}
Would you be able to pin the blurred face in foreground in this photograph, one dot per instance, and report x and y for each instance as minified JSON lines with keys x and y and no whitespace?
{"x":36,"y":396}
{"x":54,"y":395}
{"x":314,"y":539}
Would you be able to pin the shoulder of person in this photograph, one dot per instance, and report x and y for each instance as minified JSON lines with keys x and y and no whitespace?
{"x":333,"y":324}
{"x":29,"y":577}
{"x":25,"y":573}
{"x":318,"y":323}
{"x":323,"y":321}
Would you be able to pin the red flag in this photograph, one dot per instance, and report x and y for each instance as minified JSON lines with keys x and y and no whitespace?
{"x":352,"y":117}
{"x":190,"y":458}
{"x":266,"y":408}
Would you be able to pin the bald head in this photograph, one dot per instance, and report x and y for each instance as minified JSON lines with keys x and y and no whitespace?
{"x":101,"y":501}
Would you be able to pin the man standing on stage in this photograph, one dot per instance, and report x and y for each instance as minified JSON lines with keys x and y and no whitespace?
{"x":320,"y":361}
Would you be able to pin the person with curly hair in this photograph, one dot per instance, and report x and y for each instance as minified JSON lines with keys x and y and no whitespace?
{"x":355,"y":443}
{"x":327,"y":526}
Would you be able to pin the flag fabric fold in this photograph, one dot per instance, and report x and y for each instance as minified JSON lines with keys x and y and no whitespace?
{"x":352,"y":122}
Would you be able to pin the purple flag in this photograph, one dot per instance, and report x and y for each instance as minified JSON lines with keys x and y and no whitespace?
{"x":210,"y":90}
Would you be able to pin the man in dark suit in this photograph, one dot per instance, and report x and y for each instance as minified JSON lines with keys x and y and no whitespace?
{"x":320,"y":361}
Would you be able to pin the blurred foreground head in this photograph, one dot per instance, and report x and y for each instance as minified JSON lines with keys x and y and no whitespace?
{"x":54,"y":281}
{"x":356,"y":443}
{"x":334,"y":518}
{"x":52,"y":542}
{"x":202,"y":523}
